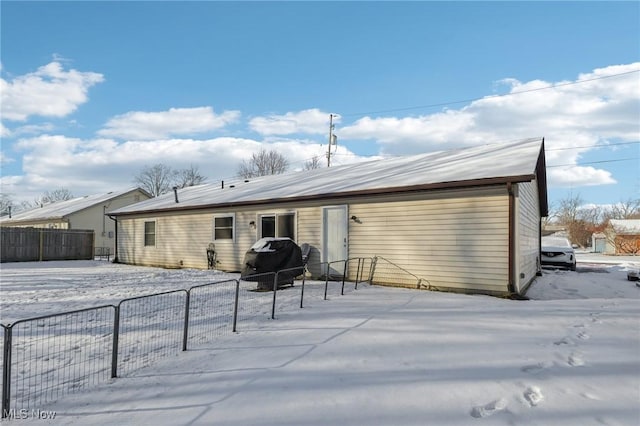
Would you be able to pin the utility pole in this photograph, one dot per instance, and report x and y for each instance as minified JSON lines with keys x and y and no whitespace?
{"x":332,"y":139}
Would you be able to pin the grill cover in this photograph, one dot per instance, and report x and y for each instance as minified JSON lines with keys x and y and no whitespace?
{"x":272,"y":255}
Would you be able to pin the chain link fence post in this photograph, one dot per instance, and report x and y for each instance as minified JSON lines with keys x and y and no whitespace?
{"x":185,"y":334}
{"x":114,"y":346}
{"x":6,"y":370}
{"x":235,"y":306}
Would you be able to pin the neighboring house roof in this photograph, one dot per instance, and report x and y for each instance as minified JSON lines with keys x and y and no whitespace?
{"x":626,"y":226}
{"x":62,"y":209}
{"x":520,"y":161}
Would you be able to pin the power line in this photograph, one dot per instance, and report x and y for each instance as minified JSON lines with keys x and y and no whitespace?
{"x":593,"y":162}
{"x":490,"y":96}
{"x":593,"y":146}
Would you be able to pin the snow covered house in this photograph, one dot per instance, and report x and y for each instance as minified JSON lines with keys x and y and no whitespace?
{"x":467,"y":219}
{"x":80,"y":213}
{"x":622,"y":236}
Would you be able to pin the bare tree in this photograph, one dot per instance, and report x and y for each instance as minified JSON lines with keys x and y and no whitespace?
{"x":312,"y":164}
{"x":551,"y":216}
{"x":60,"y":194}
{"x":626,"y":209}
{"x":592,"y":215}
{"x":568,"y":209}
{"x":6,"y":204}
{"x":189,"y":177}
{"x":582,"y":221}
{"x":157,"y":179}
{"x":262,"y":164}
{"x":572,"y":216}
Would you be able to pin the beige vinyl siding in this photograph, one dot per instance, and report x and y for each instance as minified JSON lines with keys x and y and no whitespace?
{"x":182,"y":239}
{"x":105,"y":227}
{"x":128,"y":244}
{"x":454,"y":240}
{"x":528,"y":234}
{"x":91,"y":218}
{"x":310,"y":231}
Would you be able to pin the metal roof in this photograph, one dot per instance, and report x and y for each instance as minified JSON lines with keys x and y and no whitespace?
{"x":62,"y":209}
{"x":517,"y":161}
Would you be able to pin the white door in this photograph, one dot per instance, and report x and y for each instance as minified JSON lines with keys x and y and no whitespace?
{"x":335,"y":233}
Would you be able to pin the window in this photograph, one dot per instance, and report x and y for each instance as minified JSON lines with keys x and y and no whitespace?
{"x":285,"y":225}
{"x":149,"y":234}
{"x":223,"y":227}
{"x":277,"y":225}
{"x":268,"y":226}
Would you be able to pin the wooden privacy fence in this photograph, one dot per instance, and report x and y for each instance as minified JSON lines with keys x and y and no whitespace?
{"x":34,"y":244}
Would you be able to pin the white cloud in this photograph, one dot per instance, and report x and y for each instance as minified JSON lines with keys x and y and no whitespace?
{"x":414,"y":134}
{"x":163,"y":124}
{"x":309,"y":121}
{"x":102,"y":165}
{"x":50,"y":91}
{"x":4,"y":132}
{"x":604,"y":108}
{"x":579,"y":176}
{"x":4,"y":159}
{"x":32,"y":129}
{"x":573,"y":118}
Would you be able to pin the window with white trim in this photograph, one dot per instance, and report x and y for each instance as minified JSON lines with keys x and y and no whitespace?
{"x":224,"y":227}
{"x":150,"y":233}
{"x":277,"y":225}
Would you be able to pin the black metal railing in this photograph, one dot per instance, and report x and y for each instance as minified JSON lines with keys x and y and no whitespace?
{"x":385,"y":272}
{"x":46,"y":357}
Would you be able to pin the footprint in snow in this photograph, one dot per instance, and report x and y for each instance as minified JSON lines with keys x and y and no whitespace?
{"x":563,"y":341}
{"x":534,"y":368}
{"x":568,"y":340}
{"x":575,"y":360}
{"x":533,"y":396}
{"x":590,"y":396}
{"x":489,"y":409}
{"x":583,"y":335}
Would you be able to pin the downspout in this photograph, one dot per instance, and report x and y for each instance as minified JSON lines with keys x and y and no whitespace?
{"x":512,"y":238}
{"x":115,"y":251}
{"x":539,"y":263}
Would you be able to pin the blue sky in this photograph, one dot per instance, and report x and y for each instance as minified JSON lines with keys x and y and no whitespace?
{"x":92,"y":92}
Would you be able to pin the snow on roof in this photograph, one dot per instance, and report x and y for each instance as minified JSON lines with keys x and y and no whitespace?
{"x":514,"y":159}
{"x":626,"y":226}
{"x":61,"y":209}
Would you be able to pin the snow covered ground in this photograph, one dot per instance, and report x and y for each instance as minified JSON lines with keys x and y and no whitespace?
{"x":376,"y":356}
